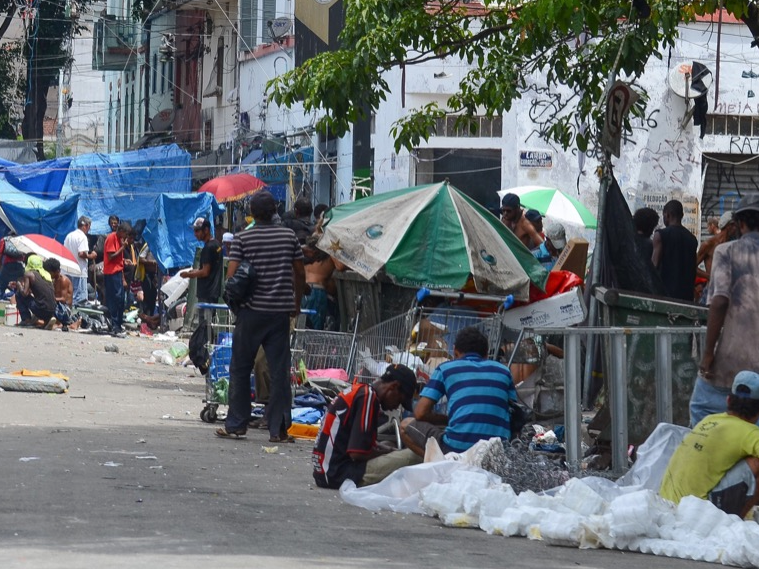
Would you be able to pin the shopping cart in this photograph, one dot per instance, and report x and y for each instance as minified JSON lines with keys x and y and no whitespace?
{"x":216,"y":318}
{"x":321,"y":349}
{"x":423,"y":337}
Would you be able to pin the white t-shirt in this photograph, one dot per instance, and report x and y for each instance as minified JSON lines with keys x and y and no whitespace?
{"x":76,"y":242}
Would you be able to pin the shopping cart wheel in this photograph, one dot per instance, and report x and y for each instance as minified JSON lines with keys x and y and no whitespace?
{"x":208,"y":414}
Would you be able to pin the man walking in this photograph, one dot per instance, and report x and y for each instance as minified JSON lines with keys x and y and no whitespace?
{"x":78,"y":244}
{"x":113,"y":273}
{"x":211,"y":263}
{"x":478,"y":392}
{"x":733,"y":322}
{"x":675,"y":254}
{"x":264,"y":319}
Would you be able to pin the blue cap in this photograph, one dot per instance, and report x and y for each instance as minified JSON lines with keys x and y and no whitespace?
{"x":749,"y":380}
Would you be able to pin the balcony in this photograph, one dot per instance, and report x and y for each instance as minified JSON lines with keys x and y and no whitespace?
{"x":115,"y":44}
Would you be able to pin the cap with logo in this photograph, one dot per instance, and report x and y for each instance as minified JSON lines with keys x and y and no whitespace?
{"x":200,"y":223}
{"x":750,"y":381}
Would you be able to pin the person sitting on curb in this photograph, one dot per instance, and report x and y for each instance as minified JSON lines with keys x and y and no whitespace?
{"x":346,"y":447}
{"x":478,"y":392}
{"x":35,"y":296}
{"x":64,"y":295}
{"x":719,"y":459}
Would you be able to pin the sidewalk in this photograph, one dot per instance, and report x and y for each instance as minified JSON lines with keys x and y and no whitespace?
{"x":110,"y":483}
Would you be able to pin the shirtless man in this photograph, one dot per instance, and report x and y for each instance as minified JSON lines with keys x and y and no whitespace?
{"x":728,"y":231}
{"x":320,"y":284}
{"x":64,"y":295}
{"x":512,"y":216}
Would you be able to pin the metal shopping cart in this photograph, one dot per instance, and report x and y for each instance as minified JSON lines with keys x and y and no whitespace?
{"x":216,"y":319}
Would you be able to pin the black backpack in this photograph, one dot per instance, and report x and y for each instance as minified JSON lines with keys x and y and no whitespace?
{"x":239,"y":287}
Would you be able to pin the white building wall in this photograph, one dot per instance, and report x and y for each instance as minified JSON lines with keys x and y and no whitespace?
{"x":660,"y":161}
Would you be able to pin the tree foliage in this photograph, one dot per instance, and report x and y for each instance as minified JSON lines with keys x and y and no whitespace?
{"x":35,"y":59}
{"x":568,"y":47}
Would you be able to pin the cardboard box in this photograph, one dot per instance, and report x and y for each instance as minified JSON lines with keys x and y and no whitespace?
{"x":573,"y":258}
{"x":559,"y":311}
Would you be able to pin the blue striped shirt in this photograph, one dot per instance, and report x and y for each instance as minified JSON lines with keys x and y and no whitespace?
{"x":478,"y":392}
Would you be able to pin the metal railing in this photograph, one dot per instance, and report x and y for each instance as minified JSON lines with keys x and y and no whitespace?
{"x":617,"y":382}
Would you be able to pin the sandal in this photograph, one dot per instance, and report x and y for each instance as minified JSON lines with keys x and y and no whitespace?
{"x":223,"y":433}
{"x":282,"y":439}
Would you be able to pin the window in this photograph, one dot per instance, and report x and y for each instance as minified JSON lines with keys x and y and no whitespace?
{"x":486,"y":128}
{"x":171,"y":74}
{"x":248,"y":25}
{"x":207,"y":135}
{"x":163,"y":77}
{"x":220,"y":65}
{"x":155,"y":72}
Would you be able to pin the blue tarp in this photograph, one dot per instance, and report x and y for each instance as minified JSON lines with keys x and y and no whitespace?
{"x":38,"y":179}
{"x":276,"y":168}
{"x":53,"y":218}
{"x":169,"y":232}
{"x":126,"y":184}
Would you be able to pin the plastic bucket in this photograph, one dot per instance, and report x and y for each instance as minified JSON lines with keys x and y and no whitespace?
{"x":11,"y":315}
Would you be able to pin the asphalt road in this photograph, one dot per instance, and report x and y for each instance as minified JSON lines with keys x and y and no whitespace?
{"x":98,"y":478}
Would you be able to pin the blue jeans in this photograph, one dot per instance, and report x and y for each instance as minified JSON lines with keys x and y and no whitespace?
{"x":706,"y":399}
{"x":272,"y":331}
{"x":80,"y":289}
{"x":114,"y":298}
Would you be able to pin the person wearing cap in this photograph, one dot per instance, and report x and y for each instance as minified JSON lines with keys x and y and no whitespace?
{"x":728,"y":231}
{"x":276,"y":257}
{"x":478,"y":392}
{"x":113,"y":276}
{"x":719,"y":459}
{"x":513,"y":217}
{"x":226,"y":242}
{"x":732,"y":324}
{"x":675,"y":254}
{"x":211,"y":263}
{"x":35,"y":295}
{"x":346,"y":447}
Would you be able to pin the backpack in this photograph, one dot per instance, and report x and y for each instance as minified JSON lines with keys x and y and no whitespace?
{"x":239,"y":287}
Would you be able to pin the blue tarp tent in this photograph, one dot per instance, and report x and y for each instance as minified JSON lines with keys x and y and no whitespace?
{"x":169,"y":232}
{"x":126,"y":184}
{"x":27,"y":214}
{"x":38,"y":179}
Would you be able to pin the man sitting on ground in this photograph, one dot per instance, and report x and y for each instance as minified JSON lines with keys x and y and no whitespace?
{"x":346,"y":447}
{"x":719,"y":459}
{"x":478,"y":392}
{"x":35,"y":296}
{"x":64,"y":295}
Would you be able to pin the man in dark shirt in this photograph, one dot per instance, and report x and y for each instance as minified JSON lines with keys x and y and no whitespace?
{"x":211,"y":263}
{"x":35,"y":296}
{"x":645,"y":221}
{"x":675,"y":254}
{"x":264,"y":319}
{"x":299,"y":220}
{"x":346,"y":447}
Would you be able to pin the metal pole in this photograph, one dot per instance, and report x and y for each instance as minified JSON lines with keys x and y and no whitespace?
{"x":618,"y":384}
{"x":572,"y":392}
{"x":664,"y":378}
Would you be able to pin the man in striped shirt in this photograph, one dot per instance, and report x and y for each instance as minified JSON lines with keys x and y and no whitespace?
{"x":478,"y":392}
{"x":346,"y":447}
{"x":264,"y":319}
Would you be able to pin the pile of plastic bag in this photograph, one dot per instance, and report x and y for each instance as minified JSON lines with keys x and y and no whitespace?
{"x":584,"y":512}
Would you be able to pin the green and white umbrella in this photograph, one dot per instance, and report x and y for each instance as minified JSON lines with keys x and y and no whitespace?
{"x":554,"y":204}
{"x":430,"y":236}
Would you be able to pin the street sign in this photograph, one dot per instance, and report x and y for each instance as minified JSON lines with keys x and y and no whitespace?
{"x":535,"y":159}
{"x":621,"y":97}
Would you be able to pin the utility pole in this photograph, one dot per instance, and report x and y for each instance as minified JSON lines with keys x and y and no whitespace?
{"x":59,"y":127}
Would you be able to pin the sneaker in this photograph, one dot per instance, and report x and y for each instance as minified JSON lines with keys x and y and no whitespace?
{"x":118,"y":333}
{"x":51,"y":324}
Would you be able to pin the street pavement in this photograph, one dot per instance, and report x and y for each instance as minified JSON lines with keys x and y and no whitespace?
{"x":120,"y":472}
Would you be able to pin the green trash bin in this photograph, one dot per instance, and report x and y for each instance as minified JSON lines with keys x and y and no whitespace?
{"x":620,"y":308}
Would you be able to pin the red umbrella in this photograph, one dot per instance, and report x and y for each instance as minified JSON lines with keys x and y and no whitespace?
{"x":232,"y":187}
{"x":47,"y":248}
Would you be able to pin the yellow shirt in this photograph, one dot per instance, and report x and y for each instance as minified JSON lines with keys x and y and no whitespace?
{"x":712,"y":448}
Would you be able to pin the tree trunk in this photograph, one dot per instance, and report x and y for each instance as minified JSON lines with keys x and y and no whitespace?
{"x":34,"y":114}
